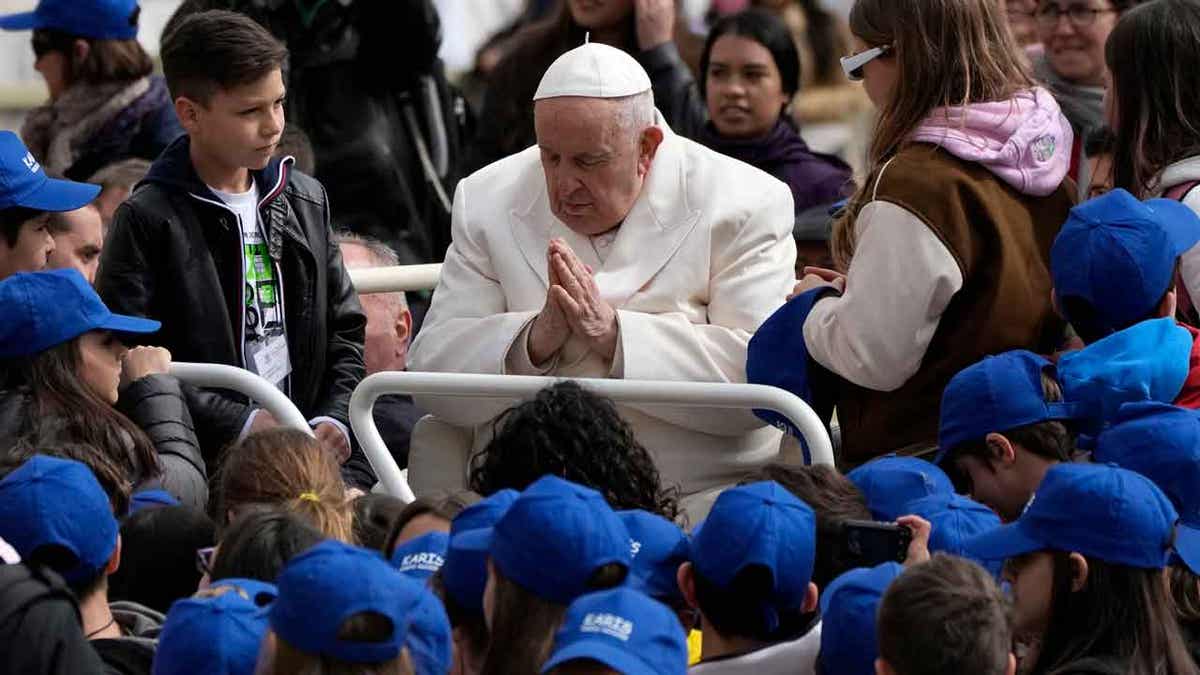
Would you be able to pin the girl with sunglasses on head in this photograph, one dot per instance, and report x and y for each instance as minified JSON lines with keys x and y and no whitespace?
{"x":105,"y":103}
{"x":942,"y":255}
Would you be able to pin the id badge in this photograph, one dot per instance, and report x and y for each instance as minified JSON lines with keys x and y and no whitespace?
{"x":270,"y":359}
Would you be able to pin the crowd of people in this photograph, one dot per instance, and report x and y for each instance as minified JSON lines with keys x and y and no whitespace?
{"x":965,"y":232}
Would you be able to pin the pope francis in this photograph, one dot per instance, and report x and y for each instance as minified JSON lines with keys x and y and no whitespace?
{"x":615,"y":248}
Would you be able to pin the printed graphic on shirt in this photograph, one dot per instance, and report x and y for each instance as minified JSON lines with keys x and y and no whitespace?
{"x":266,"y":342}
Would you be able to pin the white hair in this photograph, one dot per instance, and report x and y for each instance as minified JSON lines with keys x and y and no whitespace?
{"x":634,"y":114}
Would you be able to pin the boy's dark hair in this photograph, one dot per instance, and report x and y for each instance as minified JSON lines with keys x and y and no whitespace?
{"x":444,"y":505}
{"x":743,"y":608}
{"x":215,"y":50}
{"x":1091,"y":324}
{"x":834,"y":499}
{"x":260,"y":542}
{"x":11,"y":220}
{"x":158,"y":555}
{"x":1100,"y":141}
{"x":374,"y":515}
{"x":1050,"y":440}
{"x":944,"y":616}
{"x":569,"y":432}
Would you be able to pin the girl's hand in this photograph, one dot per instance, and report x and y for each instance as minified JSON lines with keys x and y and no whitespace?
{"x":142,"y":361}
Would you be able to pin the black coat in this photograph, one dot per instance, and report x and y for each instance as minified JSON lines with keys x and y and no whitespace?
{"x":40,"y":627}
{"x":158,"y":406}
{"x":174,"y":254}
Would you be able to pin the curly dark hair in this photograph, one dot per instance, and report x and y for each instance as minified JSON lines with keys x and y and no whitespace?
{"x":570,"y":432}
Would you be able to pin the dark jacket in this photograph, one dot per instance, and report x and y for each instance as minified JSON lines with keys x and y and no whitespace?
{"x":133,"y":652}
{"x":155,"y":404}
{"x":395,"y":416}
{"x":816,"y":179}
{"x":174,"y":254}
{"x":40,"y":628}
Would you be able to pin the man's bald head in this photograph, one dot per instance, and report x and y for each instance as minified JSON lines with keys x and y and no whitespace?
{"x":596,"y":153}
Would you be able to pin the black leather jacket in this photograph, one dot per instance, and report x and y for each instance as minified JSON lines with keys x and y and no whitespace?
{"x":174,"y":254}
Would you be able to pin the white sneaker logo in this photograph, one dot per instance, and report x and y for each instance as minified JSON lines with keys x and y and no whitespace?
{"x":31,"y":163}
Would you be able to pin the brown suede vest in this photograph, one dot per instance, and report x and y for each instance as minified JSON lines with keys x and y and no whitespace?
{"x":1001,"y":240}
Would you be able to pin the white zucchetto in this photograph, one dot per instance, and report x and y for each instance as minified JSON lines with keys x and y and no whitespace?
{"x":593,"y":70}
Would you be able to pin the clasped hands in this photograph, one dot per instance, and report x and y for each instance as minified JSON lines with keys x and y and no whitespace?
{"x":573,"y":307}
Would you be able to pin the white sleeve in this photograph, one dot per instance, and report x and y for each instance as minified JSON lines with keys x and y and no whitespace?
{"x":899,"y":283}
{"x":1189,"y":262}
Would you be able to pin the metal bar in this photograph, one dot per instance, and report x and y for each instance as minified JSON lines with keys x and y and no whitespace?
{"x":245,"y":382}
{"x":678,"y":394}
{"x":391,"y":279}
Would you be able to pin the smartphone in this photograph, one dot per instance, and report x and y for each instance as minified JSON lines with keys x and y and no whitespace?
{"x":866,"y":543}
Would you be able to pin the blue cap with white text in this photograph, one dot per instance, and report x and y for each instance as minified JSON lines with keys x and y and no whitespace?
{"x":624,"y":630}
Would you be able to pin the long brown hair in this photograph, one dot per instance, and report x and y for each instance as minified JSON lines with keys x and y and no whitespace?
{"x":106,"y":60}
{"x":1152,"y":55}
{"x":66,"y":409}
{"x":949,"y":53}
{"x":288,"y":468}
{"x":523,"y":624}
{"x":1122,"y":613}
{"x":364,"y":627}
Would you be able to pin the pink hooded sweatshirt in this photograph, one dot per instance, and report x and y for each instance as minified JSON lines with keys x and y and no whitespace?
{"x":1025,"y":141}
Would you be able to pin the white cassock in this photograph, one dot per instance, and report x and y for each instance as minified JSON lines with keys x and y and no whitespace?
{"x":704,"y":256}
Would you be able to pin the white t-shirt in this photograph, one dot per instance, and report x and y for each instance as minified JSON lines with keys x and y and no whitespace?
{"x":798,"y":657}
{"x":264,"y":336}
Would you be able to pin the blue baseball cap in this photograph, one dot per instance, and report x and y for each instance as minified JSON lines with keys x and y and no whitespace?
{"x":1100,"y":511}
{"x":848,"y":608}
{"x":464,"y":574}
{"x":998,"y":394}
{"x":956,"y":519}
{"x":329,"y":583}
{"x":149,"y":499}
{"x":623,"y":629}
{"x":759,"y":524}
{"x":1161,"y":442}
{"x":217,"y":631}
{"x":45,"y":309}
{"x":58,"y":502}
{"x":97,"y":19}
{"x":552,"y":539}
{"x":23,"y":183}
{"x":1119,"y":254}
{"x":658,"y":548}
{"x":422,"y":557}
{"x":890,"y":483}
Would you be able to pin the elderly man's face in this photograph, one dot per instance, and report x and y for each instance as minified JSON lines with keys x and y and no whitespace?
{"x":594,"y":168}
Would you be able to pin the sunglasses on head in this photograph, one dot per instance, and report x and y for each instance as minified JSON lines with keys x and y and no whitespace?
{"x":853,"y":64}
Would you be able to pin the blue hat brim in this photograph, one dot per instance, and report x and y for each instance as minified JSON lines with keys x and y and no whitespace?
{"x":478,"y":540}
{"x":121,"y":323}
{"x":22,"y":21}
{"x":602,"y":651}
{"x":1180,"y":227}
{"x":1187,"y":546}
{"x":1002,"y":543}
{"x":59,"y":195}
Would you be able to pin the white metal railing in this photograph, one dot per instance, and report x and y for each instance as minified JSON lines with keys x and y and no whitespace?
{"x":645,"y":392}
{"x":391,"y":279}
{"x":245,"y":382}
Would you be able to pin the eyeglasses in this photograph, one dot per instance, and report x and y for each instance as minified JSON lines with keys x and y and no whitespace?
{"x":1081,"y":16}
{"x":853,"y":65}
{"x":204,"y":560}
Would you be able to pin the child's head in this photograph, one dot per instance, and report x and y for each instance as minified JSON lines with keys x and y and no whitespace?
{"x":658,"y":547}
{"x":1153,"y":111}
{"x":84,"y":41}
{"x":750,"y":70}
{"x":621,"y":631}
{"x":54,"y":513}
{"x":286,"y":468}
{"x":1085,"y":561}
{"x":260,"y":542}
{"x":158,"y":555}
{"x":555,"y":543}
{"x":374,"y":515}
{"x":946,"y":615}
{"x":889,"y":483}
{"x":218,"y":630}
{"x":421,"y":557}
{"x":848,"y":610}
{"x":1114,"y":263}
{"x":344,"y":609}
{"x":955,"y":520}
{"x":27,"y":197}
{"x":751,"y":565}
{"x":428,"y":513}
{"x":225,"y":73}
{"x":833,"y":498}
{"x":570,"y":432}
{"x":1001,"y":428}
